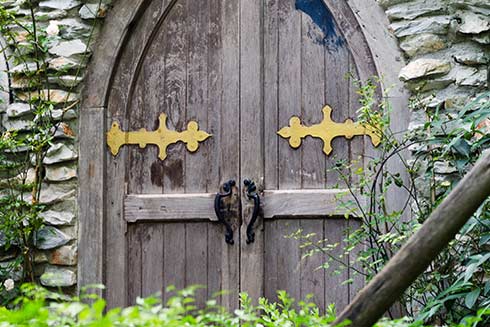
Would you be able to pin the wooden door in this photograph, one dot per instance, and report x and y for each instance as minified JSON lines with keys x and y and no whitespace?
{"x":303,"y":55}
{"x":181,"y":60}
{"x":240,"y":69}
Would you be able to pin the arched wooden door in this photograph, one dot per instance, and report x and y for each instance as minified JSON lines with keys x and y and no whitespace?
{"x":240,"y":69}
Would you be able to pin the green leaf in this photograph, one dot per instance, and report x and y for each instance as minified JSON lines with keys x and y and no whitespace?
{"x":471,"y":297}
{"x":462,"y":147}
{"x":487,"y":288}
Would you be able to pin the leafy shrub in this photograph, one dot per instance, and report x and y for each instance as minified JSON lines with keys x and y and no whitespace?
{"x":40,"y":308}
{"x":457,"y":283}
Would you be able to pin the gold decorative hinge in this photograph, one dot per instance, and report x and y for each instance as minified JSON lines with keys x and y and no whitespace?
{"x":162,"y":137}
{"x":327,"y":130}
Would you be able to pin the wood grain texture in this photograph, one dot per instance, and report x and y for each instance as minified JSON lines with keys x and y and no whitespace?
{"x":111,"y":41}
{"x":336,"y":291}
{"x":251,"y":70}
{"x":196,"y":257}
{"x":313,"y":80}
{"x":251,"y":151}
{"x":224,"y":88}
{"x":135,"y":261}
{"x":152,"y":259}
{"x":289,"y":93}
{"x":312,"y":278}
{"x":174,"y":266}
{"x":167,"y":207}
{"x":271,"y":94}
{"x":90,"y":199}
{"x":304,"y":203}
{"x":116,"y":266}
{"x":173,"y":40}
{"x":197,"y":21}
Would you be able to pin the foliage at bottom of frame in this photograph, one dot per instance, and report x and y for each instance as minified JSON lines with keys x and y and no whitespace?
{"x":39,"y":307}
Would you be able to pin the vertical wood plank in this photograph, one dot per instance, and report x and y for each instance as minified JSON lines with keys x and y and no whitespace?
{"x":174,"y":266}
{"x":337,"y":96}
{"x":335,"y":292}
{"x":224,"y":111}
{"x":271,"y":259}
{"x":115,"y":256}
{"x":135,"y":264}
{"x":289,"y":90}
{"x":141,"y":161}
{"x":196,"y":251}
{"x":313,"y":172}
{"x":271,"y":109}
{"x":90,"y":199}
{"x":143,"y":109}
{"x":288,"y":258}
{"x":312,"y":279}
{"x":175,"y":90}
{"x":357,"y":153}
{"x":152,"y":259}
{"x":251,"y":146}
{"x":115,"y":236}
{"x":196,"y":164}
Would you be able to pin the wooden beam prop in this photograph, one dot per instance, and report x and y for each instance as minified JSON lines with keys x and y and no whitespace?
{"x":415,"y":256}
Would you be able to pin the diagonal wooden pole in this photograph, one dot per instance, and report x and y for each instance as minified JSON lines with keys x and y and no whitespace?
{"x":415,"y":256}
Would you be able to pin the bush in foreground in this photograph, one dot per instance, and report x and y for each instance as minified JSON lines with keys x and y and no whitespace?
{"x":38,"y":307}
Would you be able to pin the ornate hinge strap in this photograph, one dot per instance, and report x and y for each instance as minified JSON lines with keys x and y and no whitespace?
{"x":162,"y":137}
{"x":327,"y":130}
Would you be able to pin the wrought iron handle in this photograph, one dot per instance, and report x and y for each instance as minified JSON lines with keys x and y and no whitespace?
{"x":252,"y":195}
{"x":228,"y":188}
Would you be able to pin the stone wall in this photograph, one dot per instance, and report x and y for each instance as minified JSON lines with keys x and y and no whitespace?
{"x":447,"y":48}
{"x":71,"y":23}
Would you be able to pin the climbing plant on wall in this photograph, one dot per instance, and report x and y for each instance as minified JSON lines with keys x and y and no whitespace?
{"x":43,"y":89}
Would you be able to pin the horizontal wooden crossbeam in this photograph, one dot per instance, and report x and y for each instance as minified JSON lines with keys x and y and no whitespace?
{"x":200,"y":206}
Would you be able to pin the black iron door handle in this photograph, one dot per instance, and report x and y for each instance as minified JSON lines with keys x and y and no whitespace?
{"x":228,"y":190}
{"x":252,"y":195}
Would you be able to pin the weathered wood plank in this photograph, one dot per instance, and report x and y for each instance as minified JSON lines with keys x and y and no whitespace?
{"x":313,"y":164}
{"x":356,"y":41}
{"x":151,"y":259}
{"x":174,"y":264}
{"x":139,"y":166}
{"x":110,"y":43}
{"x":288,"y":258}
{"x":196,"y":257}
{"x":251,"y":146}
{"x":289,"y":63}
{"x":335,"y":291}
{"x":115,"y":265}
{"x":304,"y":203}
{"x":358,"y":151}
{"x":312,"y":279}
{"x":271,"y":97}
{"x":197,"y":164}
{"x":134,"y":255}
{"x":337,"y":96}
{"x":90,"y":199}
{"x":272,"y":259}
{"x":174,"y":58}
{"x":168,"y":207}
{"x":223,"y":115}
